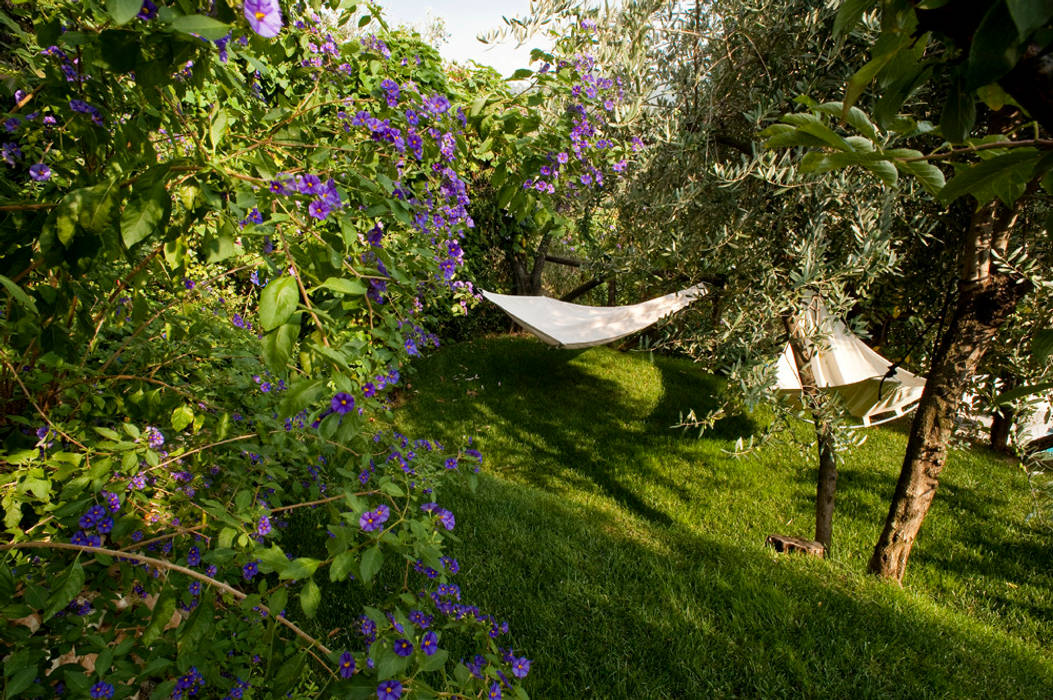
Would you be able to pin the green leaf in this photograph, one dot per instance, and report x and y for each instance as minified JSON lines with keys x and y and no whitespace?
{"x":816,"y":162}
{"x":392,"y":489}
{"x":219,"y":245}
{"x":205,"y":27}
{"x":68,"y":589}
{"x":278,"y":346}
{"x":278,"y":302}
{"x":959,"y":114}
{"x":144,"y":213}
{"x":884,"y":51}
{"x":435,"y":661}
{"x":19,"y":295}
{"x":21,"y":680}
{"x":163,"y":610}
{"x":301,"y":395}
{"x":885,"y":170}
{"x":1022,"y":391}
{"x":96,"y":209}
{"x":310,"y":597}
{"x":219,"y":127}
{"x":521,"y":74}
{"x":994,"y":49}
{"x":477,"y":105}
{"x":299,"y":568}
{"x":981,"y":176}
{"x":854,"y":116}
{"x":1042,"y":346}
{"x":372,"y":558}
{"x":181,"y":418}
{"x":813,"y":125}
{"x":389,"y":664}
{"x":930,"y":177}
{"x":344,"y":285}
{"x":849,"y":14}
{"x":1029,"y":15}
{"x":123,"y":11}
{"x":786,"y":136}
{"x":342,"y":565}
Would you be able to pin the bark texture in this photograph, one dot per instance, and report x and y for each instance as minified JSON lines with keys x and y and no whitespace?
{"x":986,"y":298}
{"x":528,"y":280}
{"x":826,"y":484}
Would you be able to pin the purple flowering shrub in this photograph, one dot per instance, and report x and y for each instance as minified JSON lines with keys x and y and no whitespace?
{"x":223,"y":233}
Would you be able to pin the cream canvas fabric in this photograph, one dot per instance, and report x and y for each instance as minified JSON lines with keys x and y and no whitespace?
{"x":845,"y":364}
{"x":571,"y":326}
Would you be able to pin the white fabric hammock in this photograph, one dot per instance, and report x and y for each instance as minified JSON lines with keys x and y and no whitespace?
{"x":571,"y":326}
{"x":845,"y":364}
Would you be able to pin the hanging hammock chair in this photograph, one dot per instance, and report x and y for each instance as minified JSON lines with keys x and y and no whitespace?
{"x":570,"y":326}
{"x":843,"y":363}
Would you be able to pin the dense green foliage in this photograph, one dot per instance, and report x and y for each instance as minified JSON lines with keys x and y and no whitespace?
{"x":224,"y":230}
{"x":630,"y":557}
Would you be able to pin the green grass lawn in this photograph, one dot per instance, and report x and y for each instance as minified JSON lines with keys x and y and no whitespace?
{"x":629,"y":558}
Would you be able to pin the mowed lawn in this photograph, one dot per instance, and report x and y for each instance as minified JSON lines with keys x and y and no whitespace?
{"x":629,"y":557}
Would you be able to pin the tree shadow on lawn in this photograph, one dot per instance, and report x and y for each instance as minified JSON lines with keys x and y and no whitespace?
{"x":611,"y":613}
{"x":973,"y":550}
{"x":599,"y":436}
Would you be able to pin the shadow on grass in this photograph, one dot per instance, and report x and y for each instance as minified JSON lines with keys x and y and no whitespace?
{"x":577,"y":425}
{"x":675,"y":615}
{"x":622,"y":607}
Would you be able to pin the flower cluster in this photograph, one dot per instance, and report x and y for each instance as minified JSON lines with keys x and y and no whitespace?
{"x":326,"y":197}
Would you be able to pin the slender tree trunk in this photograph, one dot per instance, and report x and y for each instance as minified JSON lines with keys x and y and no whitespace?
{"x":612,"y":292}
{"x":1002,"y":420}
{"x":986,"y":298}
{"x":826,"y":485}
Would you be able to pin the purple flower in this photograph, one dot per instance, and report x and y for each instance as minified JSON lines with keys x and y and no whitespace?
{"x":148,"y":11}
{"x":193,"y":557}
{"x":10,"y":152}
{"x":264,"y":526}
{"x":446,"y":518}
{"x":250,"y":570}
{"x":368,"y":390}
{"x":102,"y":689}
{"x":188,"y":283}
{"x":113,"y":501}
{"x":195,"y":588}
{"x":104,"y":525}
{"x":562,"y":157}
{"x":520,"y":667}
{"x":373,"y":520}
{"x":495,"y":691}
{"x":389,"y":690}
{"x":347,"y":665}
{"x":154,"y":437}
{"x":403,"y":647}
{"x":238,"y":321}
{"x":264,"y":16}
{"x":40,"y":172}
{"x":319,"y":209}
{"x":342,"y":403}
{"x":429,"y":643}
{"x":437,"y":104}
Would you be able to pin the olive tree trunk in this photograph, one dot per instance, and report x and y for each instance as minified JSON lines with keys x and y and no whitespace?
{"x":986,"y":298}
{"x":826,"y":485}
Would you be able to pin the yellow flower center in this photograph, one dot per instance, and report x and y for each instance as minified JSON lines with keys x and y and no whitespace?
{"x":261,"y":15}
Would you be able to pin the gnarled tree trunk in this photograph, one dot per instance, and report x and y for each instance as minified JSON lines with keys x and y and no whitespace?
{"x":528,"y":281}
{"x":986,"y":298}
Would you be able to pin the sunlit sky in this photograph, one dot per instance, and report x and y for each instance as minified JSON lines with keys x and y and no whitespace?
{"x":465,"y":19}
